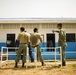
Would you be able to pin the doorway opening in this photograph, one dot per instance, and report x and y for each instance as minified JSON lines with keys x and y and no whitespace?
{"x":50,"y":41}
{"x":10,"y":41}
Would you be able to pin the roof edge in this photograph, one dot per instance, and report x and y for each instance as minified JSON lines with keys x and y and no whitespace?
{"x":37,"y":18}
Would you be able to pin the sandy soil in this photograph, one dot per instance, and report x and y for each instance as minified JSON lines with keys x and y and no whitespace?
{"x":49,"y":69}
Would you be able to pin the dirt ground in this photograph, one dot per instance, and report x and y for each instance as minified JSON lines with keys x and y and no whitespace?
{"x":49,"y":69}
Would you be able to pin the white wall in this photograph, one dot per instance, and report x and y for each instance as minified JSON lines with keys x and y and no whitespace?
{"x":4,"y":32}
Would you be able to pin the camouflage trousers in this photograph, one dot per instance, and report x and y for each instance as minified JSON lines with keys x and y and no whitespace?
{"x":63,"y":53}
{"x":39,"y":53}
{"x":22,"y":50}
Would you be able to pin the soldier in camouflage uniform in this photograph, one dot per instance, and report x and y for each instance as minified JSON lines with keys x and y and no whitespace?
{"x":62,"y":42}
{"x":34,"y":41}
{"x":24,"y":39}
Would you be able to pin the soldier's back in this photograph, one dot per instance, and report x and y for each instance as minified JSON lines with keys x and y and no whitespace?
{"x":34,"y":39}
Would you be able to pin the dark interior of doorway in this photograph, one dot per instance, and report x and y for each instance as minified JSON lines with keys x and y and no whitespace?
{"x":10,"y":41}
{"x":50,"y":41}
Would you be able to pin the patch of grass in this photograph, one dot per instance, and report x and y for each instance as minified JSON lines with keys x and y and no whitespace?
{"x":74,"y":65}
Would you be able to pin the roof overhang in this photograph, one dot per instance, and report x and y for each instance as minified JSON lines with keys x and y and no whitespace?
{"x":37,"y":20}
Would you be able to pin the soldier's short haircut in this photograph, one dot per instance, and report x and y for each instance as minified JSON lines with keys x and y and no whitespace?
{"x":35,"y":29}
{"x":22,"y":28}
{"x":59,"y":24}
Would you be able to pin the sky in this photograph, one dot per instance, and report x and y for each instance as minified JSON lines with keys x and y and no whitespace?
{"x":37,"y":8}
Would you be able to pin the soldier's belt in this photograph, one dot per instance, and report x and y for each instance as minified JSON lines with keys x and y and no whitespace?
{"x":23,"y":43}
{"x":35,"y":46}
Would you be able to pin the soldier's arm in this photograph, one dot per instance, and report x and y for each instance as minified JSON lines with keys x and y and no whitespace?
{"x":28,"y":39}
{"x":63,"y":36}
{"x":40,"y":38}
{"x":56,"y":31}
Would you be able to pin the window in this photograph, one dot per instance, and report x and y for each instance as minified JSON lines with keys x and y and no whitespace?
{"x":70,"y":37}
